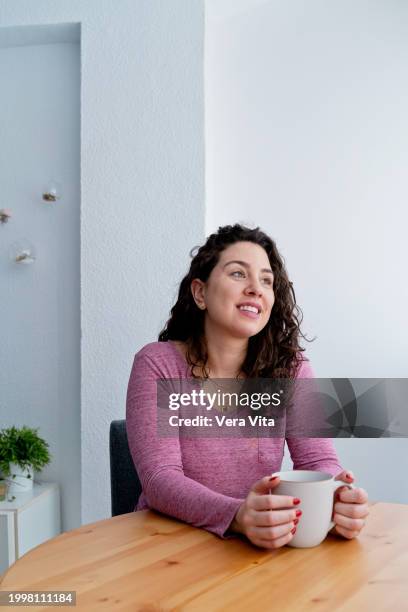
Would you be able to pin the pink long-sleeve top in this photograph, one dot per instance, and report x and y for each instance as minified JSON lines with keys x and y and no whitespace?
{"x":202,"y":481}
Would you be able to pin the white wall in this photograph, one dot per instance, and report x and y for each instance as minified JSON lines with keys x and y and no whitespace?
{"x":306,"y":136}
{"x":142,"y":190}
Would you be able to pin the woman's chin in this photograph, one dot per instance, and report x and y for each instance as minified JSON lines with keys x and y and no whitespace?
{"x":245,"y":331}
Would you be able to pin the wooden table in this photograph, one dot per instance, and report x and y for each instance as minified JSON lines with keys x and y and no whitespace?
{"x":147,"y":562}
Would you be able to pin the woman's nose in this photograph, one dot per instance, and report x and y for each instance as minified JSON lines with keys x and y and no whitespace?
{"x":253,"y":287}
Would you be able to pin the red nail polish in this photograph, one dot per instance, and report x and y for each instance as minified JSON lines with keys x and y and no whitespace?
{"x":273,"y":478}
{"x":349,"y":476}
{"x":298,"y":513}
{"x":296,"y":501}
{"x":296,"y":521}
{"x":293,"y":531}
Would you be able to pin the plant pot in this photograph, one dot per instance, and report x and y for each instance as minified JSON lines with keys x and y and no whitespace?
{"x":20,"y":479}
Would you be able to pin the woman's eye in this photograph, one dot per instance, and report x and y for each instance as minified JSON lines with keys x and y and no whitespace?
{"x":268,"y":281}
{"x":237,"y":273}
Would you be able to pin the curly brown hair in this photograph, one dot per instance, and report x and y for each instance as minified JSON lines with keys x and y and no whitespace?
{"x":274,"y":352}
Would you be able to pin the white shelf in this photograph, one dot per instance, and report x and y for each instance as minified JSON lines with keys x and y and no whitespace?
{"x":22,"y":500}
{"x":28,"y":520}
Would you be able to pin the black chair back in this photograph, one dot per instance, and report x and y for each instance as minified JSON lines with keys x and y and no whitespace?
{"x":125,"y":483}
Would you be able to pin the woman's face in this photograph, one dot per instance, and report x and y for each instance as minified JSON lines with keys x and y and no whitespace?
{"x":238,"y":295}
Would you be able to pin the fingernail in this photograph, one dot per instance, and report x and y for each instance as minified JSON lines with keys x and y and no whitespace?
{"x":349,"y":476}
{"x":296,"y":521}
{"x":273,"y":478}
{"x":298,"y":513}
{"x":293,"y":530}
{"x":296,"y":501}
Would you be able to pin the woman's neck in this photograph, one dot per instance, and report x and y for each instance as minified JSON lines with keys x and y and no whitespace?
{"x":225,"y":354}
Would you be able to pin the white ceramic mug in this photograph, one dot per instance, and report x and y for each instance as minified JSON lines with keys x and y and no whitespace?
{"x":316,"y":493}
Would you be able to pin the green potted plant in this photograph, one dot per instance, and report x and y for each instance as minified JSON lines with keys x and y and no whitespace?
{"x":21,"y":452}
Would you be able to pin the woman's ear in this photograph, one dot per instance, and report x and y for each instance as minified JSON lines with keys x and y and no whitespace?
{"x":197,"y":289}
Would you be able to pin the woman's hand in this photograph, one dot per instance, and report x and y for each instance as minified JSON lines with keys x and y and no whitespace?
{"x":267,"y":520}
{"x":350,"y":509}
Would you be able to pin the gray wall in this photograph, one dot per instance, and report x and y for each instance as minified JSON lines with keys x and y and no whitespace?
{"x":40,"y":303}
{"x":142,"y":191}
{"x":306,"y":135}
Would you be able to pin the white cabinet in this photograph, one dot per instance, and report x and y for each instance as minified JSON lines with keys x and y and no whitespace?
{"x":30,"y":519}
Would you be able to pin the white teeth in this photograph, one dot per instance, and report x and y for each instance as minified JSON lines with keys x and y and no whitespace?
{"x":249,"y":308}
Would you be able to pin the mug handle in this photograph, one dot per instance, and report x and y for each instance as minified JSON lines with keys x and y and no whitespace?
{"x":336,"y":485}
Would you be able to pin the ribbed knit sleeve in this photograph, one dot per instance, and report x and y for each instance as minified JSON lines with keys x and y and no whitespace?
{"x":158,"y":461}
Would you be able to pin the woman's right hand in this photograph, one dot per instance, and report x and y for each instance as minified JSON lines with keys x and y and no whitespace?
{"x":267,"y":520}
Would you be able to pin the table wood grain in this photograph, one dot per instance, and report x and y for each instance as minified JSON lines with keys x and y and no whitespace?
{"x":148,"y":562}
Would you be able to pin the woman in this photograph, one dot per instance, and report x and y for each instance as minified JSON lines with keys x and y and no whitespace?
{"x":235,"y":317}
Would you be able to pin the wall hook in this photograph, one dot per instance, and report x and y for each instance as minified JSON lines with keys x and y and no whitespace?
{"x":5,"y":214}
{"x":52,"y":192}
{"x":22,"y":252}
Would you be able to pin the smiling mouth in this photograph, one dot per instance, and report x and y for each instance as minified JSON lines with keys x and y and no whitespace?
{"x":249,"y":311}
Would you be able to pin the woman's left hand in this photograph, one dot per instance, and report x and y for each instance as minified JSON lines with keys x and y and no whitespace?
{"x":350,"y":508}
